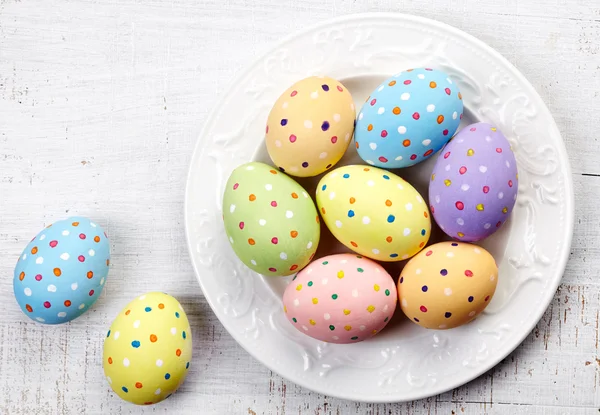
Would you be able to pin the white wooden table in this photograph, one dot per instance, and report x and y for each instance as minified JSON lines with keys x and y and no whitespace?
{"x":100,"y":106}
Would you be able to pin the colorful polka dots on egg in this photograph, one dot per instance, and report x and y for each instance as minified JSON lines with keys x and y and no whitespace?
{"x":142,"y":348}
{"x":423,"y":118}
{"x":448,"y":285}
{"x":302,"y":143}
{"x":65,"y":263}
{"x":474,"y":185}
{"x":374,"y":212}
{"x":345,"y":298}
{"x":269,"y":220}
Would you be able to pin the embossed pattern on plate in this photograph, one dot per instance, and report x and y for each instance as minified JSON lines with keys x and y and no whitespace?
{"x":404,"y":362}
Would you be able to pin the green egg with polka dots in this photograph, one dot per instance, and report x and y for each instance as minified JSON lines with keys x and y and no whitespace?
{"x":271,"y":222}
{"x":374,"y":212}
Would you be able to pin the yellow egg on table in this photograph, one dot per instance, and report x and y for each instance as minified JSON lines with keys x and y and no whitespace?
{"x":310,"y":126}
{"x":148,"y":349}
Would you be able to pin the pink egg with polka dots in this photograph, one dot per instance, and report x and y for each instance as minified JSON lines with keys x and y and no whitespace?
{"x":341,"y":298}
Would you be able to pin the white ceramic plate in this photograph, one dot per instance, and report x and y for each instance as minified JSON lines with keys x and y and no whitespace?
{"x":403,"y":362}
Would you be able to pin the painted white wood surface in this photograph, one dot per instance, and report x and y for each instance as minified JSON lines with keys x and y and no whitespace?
{"x":100,"y":105}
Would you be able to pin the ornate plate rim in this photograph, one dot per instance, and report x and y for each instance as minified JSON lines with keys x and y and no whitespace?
{"x":568,"y":188}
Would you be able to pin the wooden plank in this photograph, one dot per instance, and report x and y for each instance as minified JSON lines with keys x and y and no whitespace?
{"x":100,"y":106}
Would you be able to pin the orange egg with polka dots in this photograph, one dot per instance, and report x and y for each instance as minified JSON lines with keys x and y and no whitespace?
{"x":310,"y":126}
{"x":148,"y":349}
{"x":340,"y":298}
{"x":448,"y":284}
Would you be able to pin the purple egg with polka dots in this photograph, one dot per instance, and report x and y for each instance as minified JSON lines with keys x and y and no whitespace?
{"x":474,"y":183}
{"x":62,"y":271}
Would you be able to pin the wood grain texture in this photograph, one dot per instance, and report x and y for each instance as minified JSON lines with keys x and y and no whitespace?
{"x":101,"y":102}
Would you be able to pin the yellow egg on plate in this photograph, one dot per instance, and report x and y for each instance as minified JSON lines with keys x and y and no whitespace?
{"x":310,"y":126}
{"x":374,"y":212}
{"x":148,"y":349}
{"x":447,"y":284}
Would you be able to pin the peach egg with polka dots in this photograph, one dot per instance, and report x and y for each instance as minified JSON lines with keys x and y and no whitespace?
{"x":310,"y":126}
{"x":148,"y":349}
{"x":373,"y":212}
{"x":448,"y":284}
{"x":340,"y":298}
{"x":270,"y":221}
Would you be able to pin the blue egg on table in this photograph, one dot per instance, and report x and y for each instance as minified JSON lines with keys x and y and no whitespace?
{"x":407,"y":118}
{"x":62,"y":271}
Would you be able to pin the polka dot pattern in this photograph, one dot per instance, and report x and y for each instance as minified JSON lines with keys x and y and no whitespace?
{"x":270,"y":221}
{"x":50,"y":276}
{"x":448,"y":285}
{"x":421,"y":121}
{"x":374,"y":212}
{"x":474,"y":186}
{"x":344,"y":298}
{"x":306,"y":123}
{"x":144,"y":361}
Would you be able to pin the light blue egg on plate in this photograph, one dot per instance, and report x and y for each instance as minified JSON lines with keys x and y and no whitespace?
{"x":407,"y":118}
{"x":62,"y":271}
